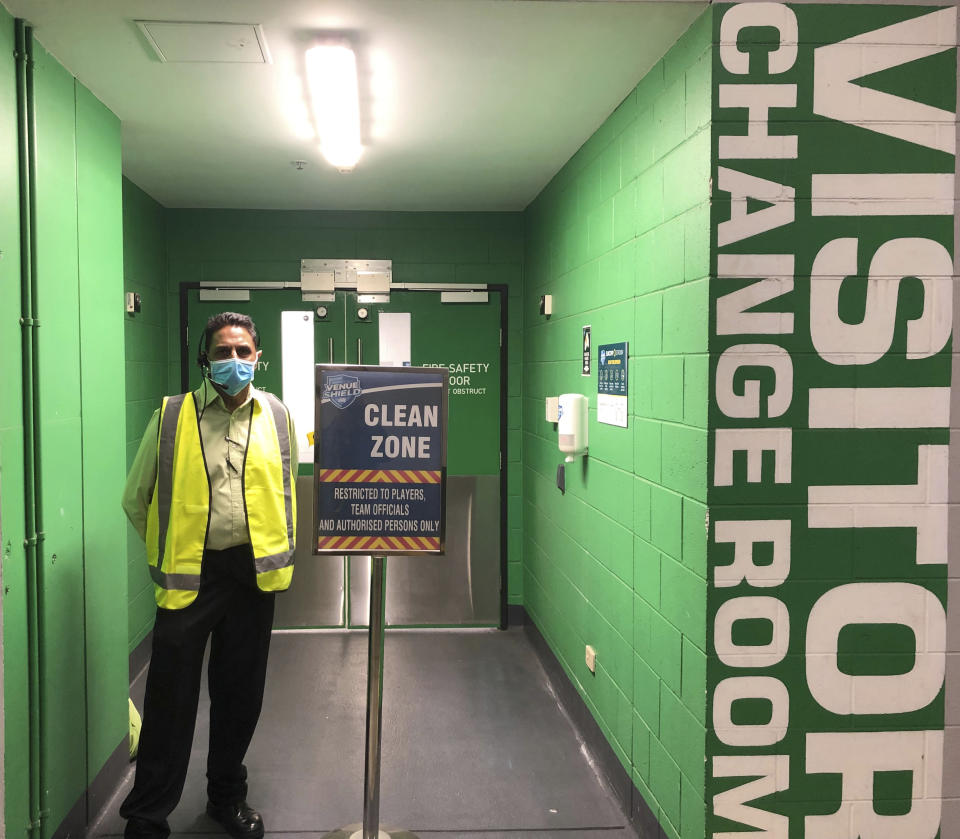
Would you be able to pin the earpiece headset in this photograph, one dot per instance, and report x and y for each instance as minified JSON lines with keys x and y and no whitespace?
{"x":203,"y":361}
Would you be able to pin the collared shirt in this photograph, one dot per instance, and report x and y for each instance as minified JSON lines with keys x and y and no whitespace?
{"x":224,"y":435}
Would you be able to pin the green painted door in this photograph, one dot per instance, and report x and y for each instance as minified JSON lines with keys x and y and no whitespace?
{"x":465,"y":338}
{"x":464,"y":586}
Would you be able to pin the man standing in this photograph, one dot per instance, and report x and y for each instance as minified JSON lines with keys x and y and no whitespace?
{"x":212,"y":493}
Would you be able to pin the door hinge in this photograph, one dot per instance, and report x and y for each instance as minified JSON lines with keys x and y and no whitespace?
{"x":501,"y":337}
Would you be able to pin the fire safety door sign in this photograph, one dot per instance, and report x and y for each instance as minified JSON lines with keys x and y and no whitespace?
{"x":380,"y":460}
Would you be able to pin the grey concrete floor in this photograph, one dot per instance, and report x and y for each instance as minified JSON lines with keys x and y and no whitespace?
{"x":474,"y":744}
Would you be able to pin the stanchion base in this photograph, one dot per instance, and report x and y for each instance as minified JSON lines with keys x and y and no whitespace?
{"x":355,"y":831}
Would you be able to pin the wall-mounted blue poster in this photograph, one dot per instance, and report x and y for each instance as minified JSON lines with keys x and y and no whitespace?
{"x":612,"y":383}
{"x":380,"y":459}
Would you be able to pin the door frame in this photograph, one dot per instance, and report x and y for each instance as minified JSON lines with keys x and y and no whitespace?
{"x":494,"y":288}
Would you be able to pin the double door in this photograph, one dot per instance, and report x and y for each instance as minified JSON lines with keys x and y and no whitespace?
{"x":466,"y":586}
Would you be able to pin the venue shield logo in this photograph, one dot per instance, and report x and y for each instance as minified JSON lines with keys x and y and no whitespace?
{"x":341,"y":389}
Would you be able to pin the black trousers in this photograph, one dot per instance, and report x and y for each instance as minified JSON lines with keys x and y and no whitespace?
{"x":237,"y":617}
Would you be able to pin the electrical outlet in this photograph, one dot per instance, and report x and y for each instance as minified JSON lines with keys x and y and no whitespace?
{"x":591,"y":659}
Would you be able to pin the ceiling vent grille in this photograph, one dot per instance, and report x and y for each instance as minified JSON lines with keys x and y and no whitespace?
{"x":177,"y":41}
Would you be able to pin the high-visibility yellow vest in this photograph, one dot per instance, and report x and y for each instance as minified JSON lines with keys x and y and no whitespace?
{"x":179,"y":511}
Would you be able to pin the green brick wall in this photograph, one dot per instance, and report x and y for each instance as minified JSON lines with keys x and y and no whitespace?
{"x":145,"y":344}
{"x":620,"y":238}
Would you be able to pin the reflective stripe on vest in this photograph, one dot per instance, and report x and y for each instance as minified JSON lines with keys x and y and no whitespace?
{"x":272,"y":562}
{"x":178,"y":515}
{"x":175,"y":582}
{"x":165,"y":451}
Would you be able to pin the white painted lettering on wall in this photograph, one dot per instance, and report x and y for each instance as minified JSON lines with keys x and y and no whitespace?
{"x":466,"y":377}
{"x":820,"y":331}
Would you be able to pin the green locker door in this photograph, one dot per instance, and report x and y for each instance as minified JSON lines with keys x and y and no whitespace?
{"x":463,"y":587}
{"x":61,"y":634}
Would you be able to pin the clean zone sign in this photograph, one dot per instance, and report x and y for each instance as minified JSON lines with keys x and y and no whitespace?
{"x":832,"y":283}
{"x":380,"y":460}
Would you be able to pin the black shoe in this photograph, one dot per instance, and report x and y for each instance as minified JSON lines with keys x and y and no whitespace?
{"x":240,"y":820}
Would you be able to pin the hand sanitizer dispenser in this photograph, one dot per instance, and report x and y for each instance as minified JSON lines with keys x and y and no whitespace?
{"x":572,"y":425}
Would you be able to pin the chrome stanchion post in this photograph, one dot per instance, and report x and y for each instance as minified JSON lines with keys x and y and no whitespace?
{"x":370,"y":829}
{"x":371,"y":773}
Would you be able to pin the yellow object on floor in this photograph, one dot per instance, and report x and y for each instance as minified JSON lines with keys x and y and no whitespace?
{"x":134,"y":729}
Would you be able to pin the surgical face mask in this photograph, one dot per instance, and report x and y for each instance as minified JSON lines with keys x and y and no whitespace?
{"x":232,"y":374}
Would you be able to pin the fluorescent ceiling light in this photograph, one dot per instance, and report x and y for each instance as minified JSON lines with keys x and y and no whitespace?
{"x":334,"y":95}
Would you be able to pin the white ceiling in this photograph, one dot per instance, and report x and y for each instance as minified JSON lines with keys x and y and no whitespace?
{"x":468,"y":104}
